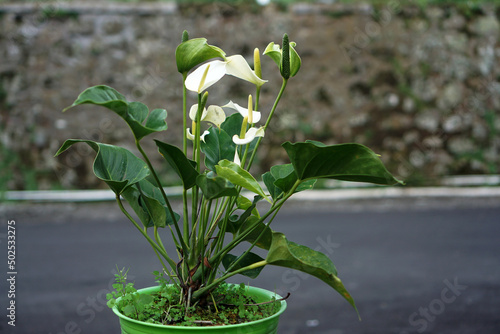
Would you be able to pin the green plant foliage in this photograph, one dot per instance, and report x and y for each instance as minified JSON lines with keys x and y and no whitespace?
{"x":282,"y":178}
{"x":214,"y":166}
{"x":229,"y":304}
{"x":184,"y":167}
{"x":149,"y":205}
{"x":194,"y":52}
{"x":238,"y":176}
{"x":243,"y":261}
{"x":347,"y":162}
{"x":213,"y":186}
{"x":116,"y":166}
{"x":288,"y":254}
{"x":217,"y":146}
{"x":136,"y":114}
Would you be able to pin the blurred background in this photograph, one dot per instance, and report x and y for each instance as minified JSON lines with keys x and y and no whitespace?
{"x":416,"y":81}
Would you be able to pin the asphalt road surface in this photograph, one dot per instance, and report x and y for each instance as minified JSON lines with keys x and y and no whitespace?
{"x":412,"y":267}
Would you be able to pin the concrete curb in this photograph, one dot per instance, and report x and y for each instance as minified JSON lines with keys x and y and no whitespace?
{"x":397,"y":192}
{"x":311,"y":195}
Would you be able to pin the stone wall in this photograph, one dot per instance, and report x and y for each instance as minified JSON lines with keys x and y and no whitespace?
{"x":420,"y":86}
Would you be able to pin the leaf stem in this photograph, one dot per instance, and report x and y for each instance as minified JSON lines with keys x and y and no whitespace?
{"x":155,"y":246}
{"x":167,"y":202}
{"x":200,"y":292}
{"x":185,"y":213}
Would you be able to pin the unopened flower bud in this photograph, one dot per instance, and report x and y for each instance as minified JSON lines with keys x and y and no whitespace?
{"x":285,"y":58}
{"x":256,"y":62}
{"x":250,"y":109}
{"x":185,"y":36}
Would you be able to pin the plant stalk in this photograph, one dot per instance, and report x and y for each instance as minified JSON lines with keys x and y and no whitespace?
{"x":200,"y":292}
{"x":165,"y":197}
{"x":155,"y":246}
{"x":271,"y":114}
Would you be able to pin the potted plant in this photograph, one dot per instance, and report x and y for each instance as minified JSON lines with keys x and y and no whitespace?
{"x":214,"y":166}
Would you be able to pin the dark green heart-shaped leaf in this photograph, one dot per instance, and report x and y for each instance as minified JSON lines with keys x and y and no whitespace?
{"x":150,"y":190}
{"x":103,"y":96}
{"x":260,"y":232}
{"x":132,"y":195}
{"x":232,"y":124}
{"x":217,"y":146}
{"x":244,"y":203}
{"x":148,"y":203}
{"x":149,"y":210}
{"x":248,"y":259}
{"x":282,"y":178}
{"x":116,"y":166}
{"x":184,"y":167}
{"x":155,"y":210}
{"x":142,"y":122}
{"x":269,"y":180}
{"x":193,"y":52}
{"x":214,"y":186}
{"x":288,"y":254}
{"x":348,"y":162}
{"x":136,"y":114}
{"x":248,"y":224}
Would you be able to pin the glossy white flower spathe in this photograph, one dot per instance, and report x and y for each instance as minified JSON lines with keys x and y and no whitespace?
{"x":201,"y":78}
{"x":190,"y":136}
{"x":255,"y":117}
{"x":237,"y":66}
{"x":214,"y":114}
{"x":236,"y":159}
{"x":250,"y":135}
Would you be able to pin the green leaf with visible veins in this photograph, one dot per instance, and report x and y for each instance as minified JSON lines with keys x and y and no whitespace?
{"x":136,"y":114}
{"x":281,"y":179}
{"x":288,"y":254}
{"x":116,"y":166}
{"x":348,"y":162}
{"x":194,"y":52}
{"x":214,"y":186}
{"x":238,"y":176}
{"x":149,"y":205}
{"x":184,"y":167}
{"x":249,"y":259}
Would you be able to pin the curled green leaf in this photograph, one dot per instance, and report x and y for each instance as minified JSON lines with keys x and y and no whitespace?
{"x":116,"y":166}
{"x":136,"y":114}
{"x":193,"y":52}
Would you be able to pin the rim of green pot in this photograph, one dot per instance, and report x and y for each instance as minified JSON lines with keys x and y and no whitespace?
{"x":205,"y":328}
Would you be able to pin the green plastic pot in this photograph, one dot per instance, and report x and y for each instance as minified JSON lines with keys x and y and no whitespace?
{"x":264,"y":326}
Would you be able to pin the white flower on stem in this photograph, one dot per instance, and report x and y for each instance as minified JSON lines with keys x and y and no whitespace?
{"x":249,"y":117}
{"x":252,"y":117}
{"x":250,"y":135}
{"x":205,"y":76}
{"x":214,"y":115}
{"x":209,"y":73}
{"x":237,"y":66}
{"x":190,"y":136}
{"x":236,"y":159}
